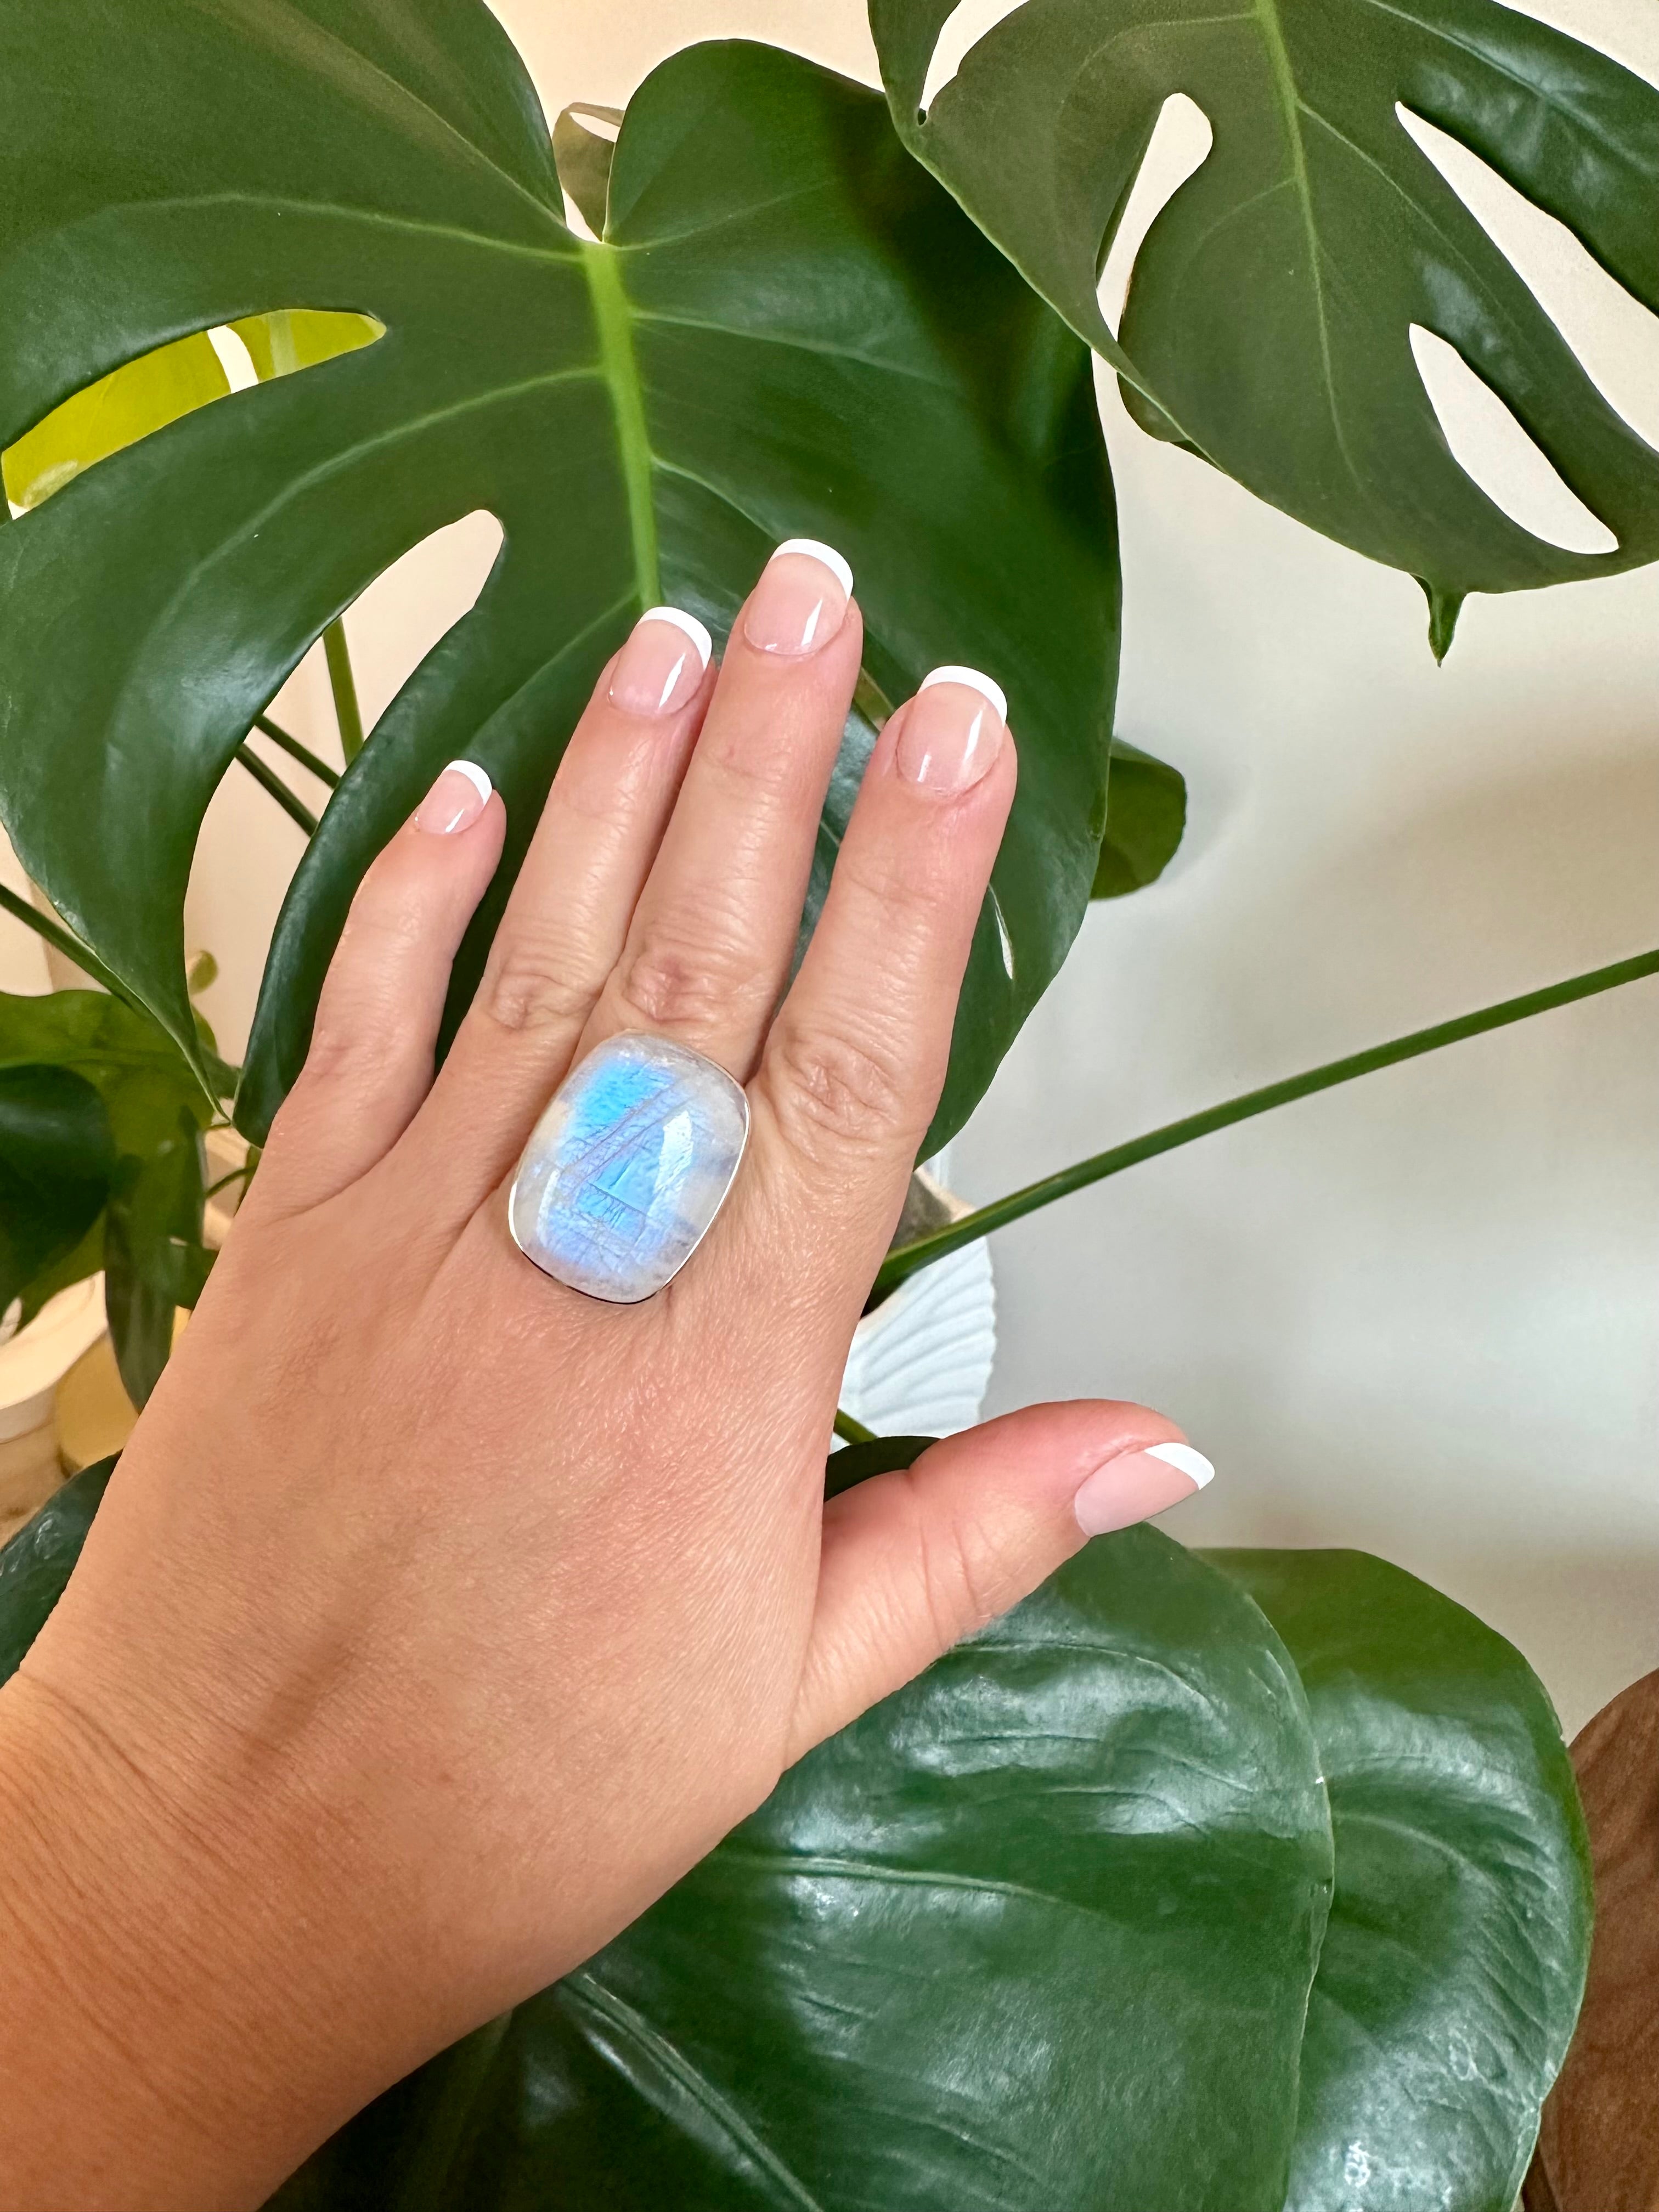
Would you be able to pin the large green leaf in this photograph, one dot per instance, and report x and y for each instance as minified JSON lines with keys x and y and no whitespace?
{"x":790,"y":329}
{"x":56,"y":1162}
{"x":1459,"y":1936}
{"x":1036,"y":1931}
{"x":1269,"y":314}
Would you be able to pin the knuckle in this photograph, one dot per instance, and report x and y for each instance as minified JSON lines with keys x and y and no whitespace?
{"x":829,"y":1088}
{"x":530,"y":987}
{"x":967,"y":1578}
{"x":388,"y":921}
{"x":759,"y":767}
{"x":668,"y":982}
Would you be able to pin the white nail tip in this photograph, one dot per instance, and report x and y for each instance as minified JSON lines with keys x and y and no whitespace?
{"x":1191,"y":1463}
{"x":814,"y":549}
{"x":987,"y":687}
{"x":475,"y":775}
{"x":694,"y":629}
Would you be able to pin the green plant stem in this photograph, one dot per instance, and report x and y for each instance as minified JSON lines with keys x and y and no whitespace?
{"x":284,"y":359}
{"x":344,"y":684}
{"x":295,"y":750}
{"x":925,"y":1250}
{"x":851,"y":1431}
{"x":71,"y":948}
{"x":268,"y":780}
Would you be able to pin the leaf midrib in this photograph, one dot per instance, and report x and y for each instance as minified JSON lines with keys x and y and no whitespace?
{"x":1290,"y":102}
{"x":620,"y":369}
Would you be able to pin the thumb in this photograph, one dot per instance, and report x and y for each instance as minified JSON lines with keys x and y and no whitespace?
{"x":914,"y":1560}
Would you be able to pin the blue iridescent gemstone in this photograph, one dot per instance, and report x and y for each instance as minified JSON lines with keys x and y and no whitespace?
{"x":628,"y":1167}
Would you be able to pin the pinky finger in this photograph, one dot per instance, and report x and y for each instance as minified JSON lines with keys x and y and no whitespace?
{"x":376,"y":1032}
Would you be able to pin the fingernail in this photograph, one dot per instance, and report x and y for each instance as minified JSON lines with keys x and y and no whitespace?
{"x":801,"y":600}
{"x":952,"y":730}
{"x":455,"y":801}
{"x":660,"y":668}
{"x":1138,"y":1483}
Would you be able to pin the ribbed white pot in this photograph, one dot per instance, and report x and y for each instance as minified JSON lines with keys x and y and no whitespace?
{"x":921,"y":1364}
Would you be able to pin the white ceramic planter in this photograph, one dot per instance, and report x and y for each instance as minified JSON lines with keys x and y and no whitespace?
{"x":33,"y":1363}
{"x":921,"y":1363}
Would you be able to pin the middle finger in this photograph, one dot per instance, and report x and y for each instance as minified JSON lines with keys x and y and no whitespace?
{"x":708,"y":949}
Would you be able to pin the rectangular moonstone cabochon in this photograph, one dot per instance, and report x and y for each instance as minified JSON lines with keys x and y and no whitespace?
{"x":628,"y":1167}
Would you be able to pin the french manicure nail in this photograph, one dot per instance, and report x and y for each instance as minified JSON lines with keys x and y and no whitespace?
{"x":952,"y":730}
{"x":660,"y":668}
{"x":1136,"y":1485}
{"x":801,"y":600}
{"x":455,"y":801}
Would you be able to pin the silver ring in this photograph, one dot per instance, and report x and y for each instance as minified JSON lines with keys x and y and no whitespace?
{"x":625,"y":1171}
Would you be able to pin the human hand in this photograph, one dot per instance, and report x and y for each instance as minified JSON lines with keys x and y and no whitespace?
{"x":437,"y":1617}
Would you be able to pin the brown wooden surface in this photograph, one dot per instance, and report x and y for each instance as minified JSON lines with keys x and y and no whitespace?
{"x":1598,"y":2150}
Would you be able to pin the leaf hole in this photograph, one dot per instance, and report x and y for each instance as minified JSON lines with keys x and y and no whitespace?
{"x":1614,"y":335}
{"x":411,"y":607}
{"x":145,"y":394}
{"x":1490,"y":445}
{"x":961,"y":30}
{"x":1178,"y":148}
{"x":247,"y":850}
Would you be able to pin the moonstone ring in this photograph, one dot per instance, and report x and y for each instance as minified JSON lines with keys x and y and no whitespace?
{"x":627,"y":1169}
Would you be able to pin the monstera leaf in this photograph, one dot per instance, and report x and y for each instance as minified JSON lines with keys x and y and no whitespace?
{"x":1458,"y":1936}
{"x":1041,"y":1930}
{"x":1269,"y":319}
{"x":788,"y":329}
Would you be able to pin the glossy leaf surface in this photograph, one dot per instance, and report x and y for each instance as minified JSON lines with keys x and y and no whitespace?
{"x":1035,"y":1931}
{"x":1269,"y":315}
{"x":56,"y":1162}
{"x":1459,"y":1935}
{"x":791,"y":329}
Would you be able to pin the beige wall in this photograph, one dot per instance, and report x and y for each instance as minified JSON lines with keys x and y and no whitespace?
{"x":1420,"y":1314}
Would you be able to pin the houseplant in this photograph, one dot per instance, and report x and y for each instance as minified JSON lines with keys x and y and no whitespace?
{"x":1251,"y":1881}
